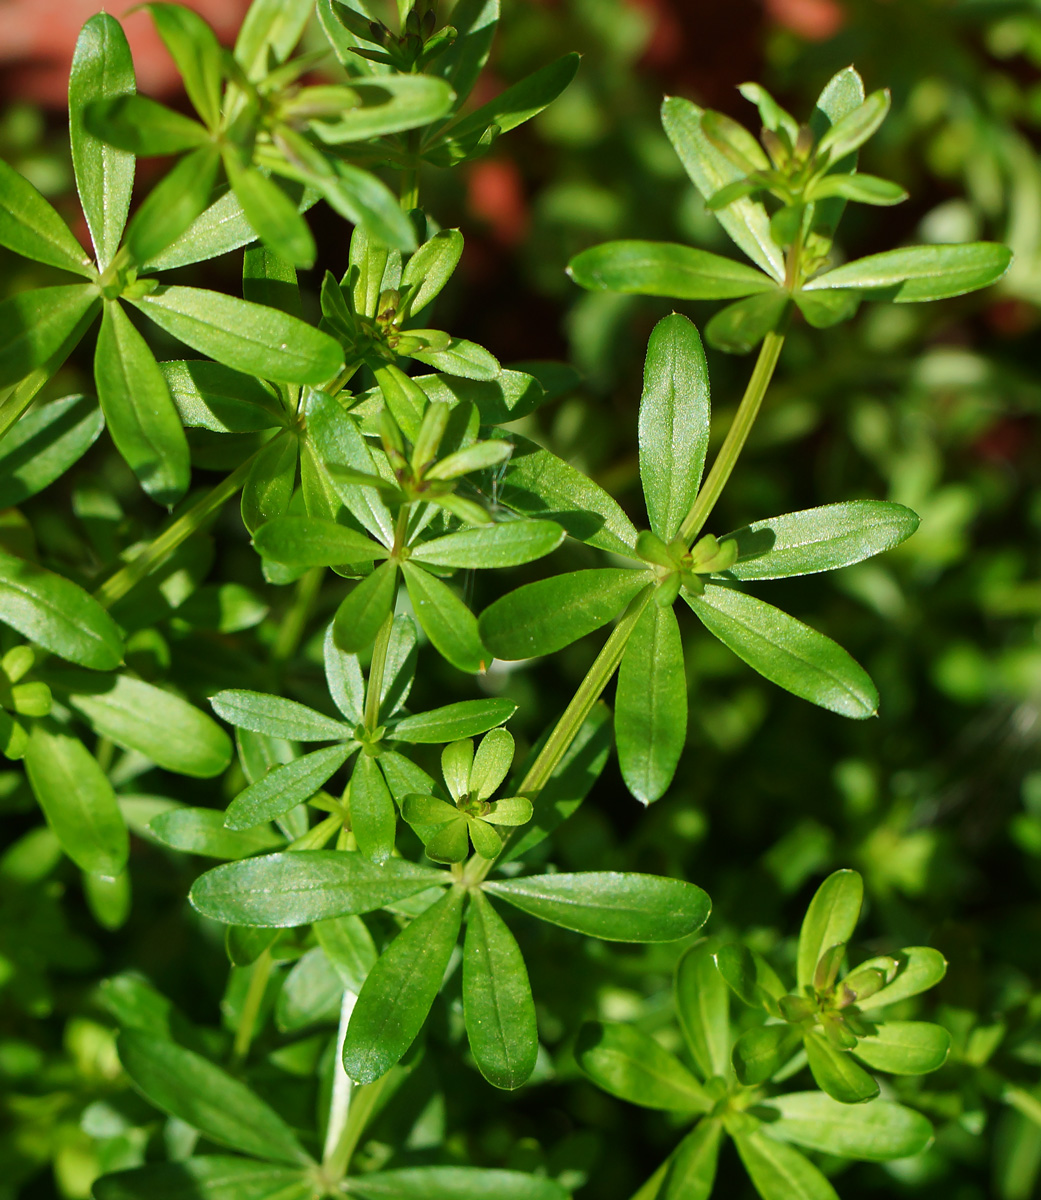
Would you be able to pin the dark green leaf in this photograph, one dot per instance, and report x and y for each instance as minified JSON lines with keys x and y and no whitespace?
{"x":497,"y":1004}
{"x":920,"y":272}
{"x":445,"y":619}
{"x":394,"y":1001}
{"x":366,"y":607}
{"x":30,"y":226}
{"x":202,"y":831}
{"x":760,"y":1052}
{"x":740,"y":327}
{"x":748,"y":975}
{"x":614,"y":905}
{"x":194,"y":48}
{"x":505,"y":545}
{"x":467,"y":718}
{"x":455,"y":1183}
{"x":212,"y":1177}
{"x":142,"y":126}
{"x":273,"y":215}
{"x":312,"y":993}
{"x":692,"y":1167}
{"x":274,"y":715}
{"x":780,"y":1172}
{"x":44,"y":444}
{"x":836,"y":1073}
{"x":173,"y":204}
{"x":217,"y":398}
{"x":634,"y":1067}
{"x":314,"y":542}
{"x":373,"y":818}
{"x":830,"y":921}
{"x":665,"y":269}
{"x":297,"y":888}
{"x":268,"y":278}
{"x":268,"y":489}
{"x":348,"y":945}
{"x":703,"y":1008}
{"x":877,"y":1131}
{"x":284,"y":787}
{"x":37,"y":325}
{"x":823,"y":308}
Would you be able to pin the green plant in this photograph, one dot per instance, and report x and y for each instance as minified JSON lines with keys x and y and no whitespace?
{"x":345,"y":461}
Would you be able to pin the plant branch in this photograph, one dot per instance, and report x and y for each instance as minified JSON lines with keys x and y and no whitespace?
{"x":247,"y":1025}
{"x":374,"y":688}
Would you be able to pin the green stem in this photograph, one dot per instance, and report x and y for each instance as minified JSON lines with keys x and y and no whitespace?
{"x":736,"y":437}
{"x":363,"y":1102}
{"x":374,"y":688}
{"x":118,"y":585}
{"x":247,"y":1025}
{"x":573,"y":717}
{"x":410,"y":174}
{"x":295,"y":621}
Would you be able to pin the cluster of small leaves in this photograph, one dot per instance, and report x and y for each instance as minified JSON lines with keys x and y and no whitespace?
{"x":734,"y":1087}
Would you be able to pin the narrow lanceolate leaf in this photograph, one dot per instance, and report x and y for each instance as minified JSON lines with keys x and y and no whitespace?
{"x":77,"y":800}
{"x":139,"y":412}
{"x":140,"y":125}
{"x":58,"y":615}
{"x":217,"y":398}
{"x":450,"y":625}
{"x":819,"y":539}
{"x":202,"y":831}
{"x":273,"y":215}
{"x":760,"y":1052}
{"x":921,"y":272}
{"x":703,"y":1008}
{"x":614,"y":905}
{"x":349,"y":947}
{"x":284,"y":890}
{"x":665,"y":269}
{"x":634,"y":1067}
{"x":877,"y":1131}
{"x":365,"y":200}
{"x":540,"y":618}
{"x":674,"y":423}
{"x":830,"y":921}
{"x":44,"y":444}
{"x":140,"y":716}
{"x":248,"y":337}
{"x":742,"y":325}
{"x":314,"y":542}
{"x":921,"y":967}
{"x":284,"y":787}
{"x":506,"y":545}
{"x":779,"y":1172}
{"x":455,"y":1183}
{"x":385,"y":105}
{"x":102,"y":69}
{"x":650,"y":718}
{"x":366,"y":607}
{"x":35,"y":326}
{"x":497,"y":1005}
{"x":836,"y":1073}
{"x":373,"y":818}
{"x":430,"y":268}
{"x":194,"y":48}
{"x":173,"y":204}
{"x":276,"y":716}
{"x":467,"y":718}
{"x":186,"y":1085}
{"x":746,"y":220}
{"x":271,"y":27}
{"x":787,"y":652}
{"x":905,"y":1047}
{"x":396,"y":997}
{"x":692,"y":1167}
{"x":209,"y":1177}
{"x":30,"y":226}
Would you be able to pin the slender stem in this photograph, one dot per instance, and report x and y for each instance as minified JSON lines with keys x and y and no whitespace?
{"x":363,"y":1102}
{"x":410,"y":174}
{"x":374,"y":688}
{"x":340,"y":1101}
{"x":573,"y":717}
{"x":736,"y":437}
{"x":116,"y":586}
{"x":247,"y":1025}
{"x":295,"y":620}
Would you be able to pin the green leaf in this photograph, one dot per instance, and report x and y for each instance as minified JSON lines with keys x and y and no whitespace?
{"x":364,"y":199}
{"x":44,"y":444}
{"x":740,"y":327}
{"x":823,"y":309}
{"x":272,"y":214}
{"x":58,"y":615}
{"x":842,"y":94}
{"x":691,"y":1171}
{"x":394,"y":1001}
{"x":505,"y":545}
{"x":139,"y":412}
{"x":650,"y":718}
{"x":920,"y":272}
{"x":852,"y":130}
{"x":349,"y":947}
{"x":373,"y":818}
{"x":173,"y":204}
{"x":461,"y":720}
{"x":877,"y":1131}
{"x":268,"y":489}
{"x":507,"y":397}
{"x":190,"y":1087}
{"x":461,"y":357}
{"x":142,"y":126}
{"x":431,"y":267}
{"x":665,"y":269}
{"x":77,"y":800}
{"x":819,"y":539}
{"x":30,"y":226}
{"x":268,"y":278}
{"x":299,"y":541}
{"x":748,"y":975}
{"x":389,"y":104}
{"x":745,"y":220}
{"x":197,"y":54}
{"x":836,"y":1073}
{"x":614,"y":905}
{"x":674,"y":423}
{"x":921,"y":967}
{"x":865,"y":189}
{"x":780,"y":1172}
{"x":539,"y":484}
{"x":830,"y":921}
{"x":217,"y":398}
{"x":212,"y":1177}
{"x":248,"y":337}
{"x":275,"y":715}
{"x":366,"y":607}
{"x":271,"y":27}
{"x":219,"y":229}
{"x":905,"y":1047}
{"x":312,"y":993}
{"x":703,"y":1008}
{"x":785,"y":651}
{"x":102,"y":69}
{"x":445,"y":619}
{"x":284,"y":787}
{"x":36,"y":327}
{"x":491,"y":765}
{"x":497,"y":1005}
{"x":540,"y":618}
{"x":202,"y":831}
{"x":634,"y":1067}
{"x":296,"y":888}
{"x":455,"y":1183}
{"x":759,"y":1053}
{"x":164,"y":728}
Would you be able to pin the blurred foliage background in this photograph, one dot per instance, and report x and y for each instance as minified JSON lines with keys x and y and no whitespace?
{"x":937,"y":803}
